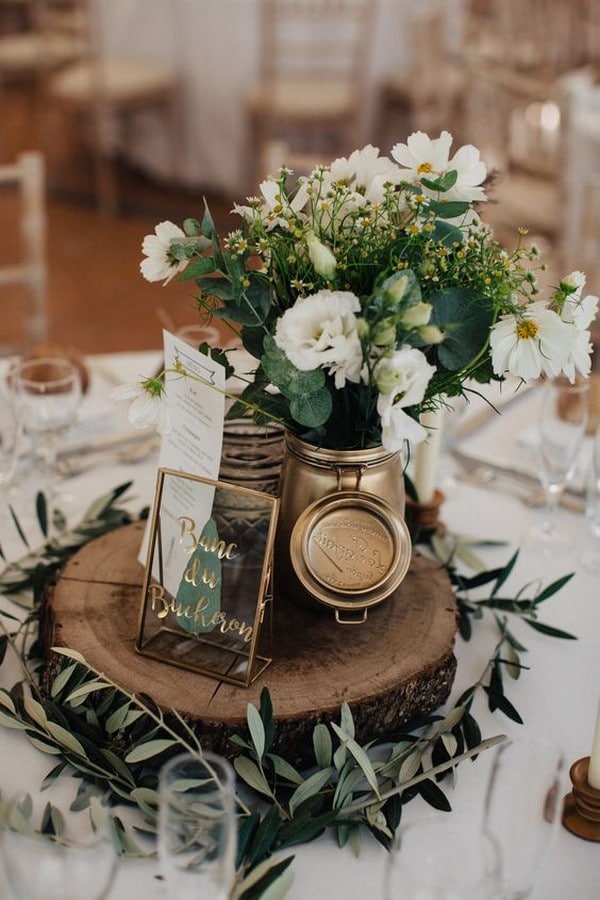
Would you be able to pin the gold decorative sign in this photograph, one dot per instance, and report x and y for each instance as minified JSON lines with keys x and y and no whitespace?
{"x":206,"y":601}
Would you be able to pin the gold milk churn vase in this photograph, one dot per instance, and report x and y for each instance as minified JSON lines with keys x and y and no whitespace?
{"x":342,"y":544}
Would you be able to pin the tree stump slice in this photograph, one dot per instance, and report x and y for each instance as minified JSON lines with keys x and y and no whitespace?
{"x":398,"y":665}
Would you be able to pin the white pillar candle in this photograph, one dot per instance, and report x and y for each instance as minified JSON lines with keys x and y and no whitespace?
{"x":427,"y":455}
{"x":594,"y":769}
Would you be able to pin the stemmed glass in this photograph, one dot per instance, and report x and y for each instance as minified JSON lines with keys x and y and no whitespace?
{"x":590,"y":557}
{"x":443,"y":859}
{"x":48,"y":394}
{"x":68,"y":866}
{"x":196,"y":826}
{"x":523,"y":808}
{"x":561,"y":428}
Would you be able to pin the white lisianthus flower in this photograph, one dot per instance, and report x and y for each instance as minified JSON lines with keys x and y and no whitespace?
{"x":321,"y":256}
{"x":149,"y":407}
{"x":530,"y":344}
{"x":320,"y":332}
{"x":159,"y":265}
{"x":401,"y":380}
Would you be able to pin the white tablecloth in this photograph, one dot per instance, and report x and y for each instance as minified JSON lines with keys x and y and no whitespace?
{"x":557,"y":698}
{"x":213,"y":45}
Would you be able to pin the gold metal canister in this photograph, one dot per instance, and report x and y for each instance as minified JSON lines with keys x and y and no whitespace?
{"x":311,"y":473}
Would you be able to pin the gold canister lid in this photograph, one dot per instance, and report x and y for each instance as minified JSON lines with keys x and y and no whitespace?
{"x":350,"y":550}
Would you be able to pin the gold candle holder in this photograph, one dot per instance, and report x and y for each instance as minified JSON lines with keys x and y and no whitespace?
{"x":423,"y":516}
{"x":581,"y":810}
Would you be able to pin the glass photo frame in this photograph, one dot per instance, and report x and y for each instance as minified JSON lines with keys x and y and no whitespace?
{"x":207,"y":601}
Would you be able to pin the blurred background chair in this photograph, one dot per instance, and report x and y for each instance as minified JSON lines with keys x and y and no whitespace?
{"x":307,"y":104}
{"x":23,"y":183}
{"x":428,"y":94}
{"x":98,"y":95}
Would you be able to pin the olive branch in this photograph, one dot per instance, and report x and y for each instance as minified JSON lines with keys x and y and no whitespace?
{"x":116,"y":741}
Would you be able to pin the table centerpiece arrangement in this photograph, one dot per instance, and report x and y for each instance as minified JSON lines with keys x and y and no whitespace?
{"x":369,"y":293}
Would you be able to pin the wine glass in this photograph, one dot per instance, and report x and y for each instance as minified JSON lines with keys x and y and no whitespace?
{"x":448,"y":858}
{"x":69,"y":866}
{"x":522,"y":809}
{"x":48,"y":394}
{"x":197,"y":826}
{"x":590,"y":557}
{"x":561,"y":428}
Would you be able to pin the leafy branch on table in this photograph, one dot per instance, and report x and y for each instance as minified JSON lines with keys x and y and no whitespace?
{"x":116,"y":741}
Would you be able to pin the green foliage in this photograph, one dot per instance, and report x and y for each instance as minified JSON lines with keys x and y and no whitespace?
{"x":116,"y":742}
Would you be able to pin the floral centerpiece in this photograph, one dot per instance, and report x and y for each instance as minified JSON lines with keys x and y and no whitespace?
{"x":368,"y":293}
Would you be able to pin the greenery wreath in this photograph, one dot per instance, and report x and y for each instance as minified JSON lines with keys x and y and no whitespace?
{"x":115,"y":741}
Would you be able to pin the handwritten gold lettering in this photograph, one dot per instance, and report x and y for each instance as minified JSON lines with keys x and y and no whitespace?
{"x":196,"y":574}
{"x":187,"y":527}
{"x":196,"y":611}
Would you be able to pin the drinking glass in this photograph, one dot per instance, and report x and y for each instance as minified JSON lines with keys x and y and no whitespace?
{"x":522,"y":809}
{"x":197,"y":827}
{"x":9,"y":435}
{"x":590,"y":557}
{"x":68,"y":867}
{"x":561,"y":428}
{"x":48,"y":395}
{"x":443,"y":859}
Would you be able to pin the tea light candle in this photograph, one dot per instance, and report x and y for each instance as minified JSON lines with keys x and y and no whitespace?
{"x":594,"y":769}
{"x":427,"y":455}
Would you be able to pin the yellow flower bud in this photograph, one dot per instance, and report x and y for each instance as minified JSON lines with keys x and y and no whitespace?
{"x":417,"y":315}
{"x":321,"y":256}
{"x":431,"y":334}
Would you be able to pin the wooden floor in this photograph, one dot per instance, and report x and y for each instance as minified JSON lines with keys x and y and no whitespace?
{"x":97,"y":298}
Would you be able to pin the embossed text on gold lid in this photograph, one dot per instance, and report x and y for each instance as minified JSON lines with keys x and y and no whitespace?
{"x":350,"y":549}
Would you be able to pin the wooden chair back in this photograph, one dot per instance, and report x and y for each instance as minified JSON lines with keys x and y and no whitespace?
{"x":27,"y":176}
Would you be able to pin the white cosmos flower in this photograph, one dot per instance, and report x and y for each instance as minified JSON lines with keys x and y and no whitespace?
{"x":580,"y":311}
{"x":402,"y":380}
{"x":362,"y":167}
{"x":423,"y":157}
{"x":579,"y":359}
{"x":159,"y":265}
{"x":273,"y":212}
{"x":320,"y":332}
{"x":471,"y":173}
{"x":532,"y":343}
{"x":149,"y":407}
